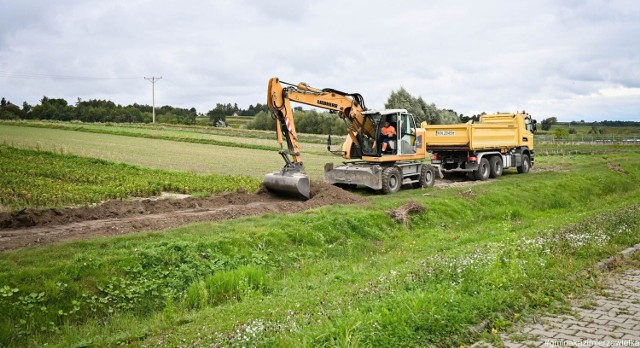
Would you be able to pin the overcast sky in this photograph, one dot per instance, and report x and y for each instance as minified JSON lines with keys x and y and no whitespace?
{"x":570,"y":59}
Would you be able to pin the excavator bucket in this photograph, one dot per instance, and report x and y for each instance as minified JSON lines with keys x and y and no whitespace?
{"x":293,"y":184}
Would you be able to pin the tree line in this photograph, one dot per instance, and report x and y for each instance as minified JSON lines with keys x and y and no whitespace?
{"x":307,"y":121}
{"x":312,"y":121}
{"x":107,"y":111}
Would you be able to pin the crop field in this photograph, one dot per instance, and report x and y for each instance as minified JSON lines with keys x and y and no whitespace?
{"x":339,"y":270}
{"x":41,"y":179}
{"x":238,"y":135}
{"x":238,"y":121}
{"x":161,"y":154}
{"x":232,"y":138}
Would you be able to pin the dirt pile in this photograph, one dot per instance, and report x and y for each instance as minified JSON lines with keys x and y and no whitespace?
{"x":119,"y":209}
{"x":616,"y":168}
{"x":403,"y":213}
{"x":44,"y":226}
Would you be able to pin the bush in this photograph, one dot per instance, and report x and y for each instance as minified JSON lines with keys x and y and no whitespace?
{"x":309,"y":121}
{"x":560,"y":132}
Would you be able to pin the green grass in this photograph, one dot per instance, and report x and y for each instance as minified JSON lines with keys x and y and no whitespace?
{"x":157,"y":153}
{"x":239,"y":121}
{"x":336,"y":276}
{"x":584,"y":149}
{"x":232,"y":137}
{"x":43,"y":179}
{"x":583,"y":130}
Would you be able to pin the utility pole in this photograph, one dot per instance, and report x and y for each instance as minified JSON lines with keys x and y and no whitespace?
{"x":153,"y":80}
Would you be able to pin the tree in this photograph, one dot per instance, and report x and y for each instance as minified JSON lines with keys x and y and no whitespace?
{"x":262,"y":120}
{"x":53,"y":109}
{"x":474,"y":118}
{"x":219,"y":114}
{"x":26,"y":110}
{"x":560,"y":132}
{"x":253,"y":110}
{"x":9,"y":111}
{"x":420,"y":109}
{"x":548,"y":122}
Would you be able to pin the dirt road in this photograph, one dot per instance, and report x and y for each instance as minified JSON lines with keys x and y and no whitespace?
{"x":44,"y":226}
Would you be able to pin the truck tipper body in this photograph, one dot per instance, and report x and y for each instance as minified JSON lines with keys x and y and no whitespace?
{"x":483,"y":149}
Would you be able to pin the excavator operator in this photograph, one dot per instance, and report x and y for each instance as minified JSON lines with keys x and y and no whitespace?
{"x":388,"y":133}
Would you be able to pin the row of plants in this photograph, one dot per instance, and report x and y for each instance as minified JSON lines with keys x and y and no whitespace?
{"x":131,"y":129}
{"x":31,"y":178}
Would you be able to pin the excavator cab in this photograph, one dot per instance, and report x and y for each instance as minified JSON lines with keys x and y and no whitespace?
{"x":403,"y":143}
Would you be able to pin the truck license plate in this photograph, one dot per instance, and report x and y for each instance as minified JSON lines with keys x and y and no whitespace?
{"x":446,"y":132}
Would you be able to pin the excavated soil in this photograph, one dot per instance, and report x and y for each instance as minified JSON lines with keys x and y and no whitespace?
{"x":44,"y":226}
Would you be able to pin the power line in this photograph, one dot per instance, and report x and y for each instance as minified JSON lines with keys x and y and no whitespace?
{"x":36,"y":76}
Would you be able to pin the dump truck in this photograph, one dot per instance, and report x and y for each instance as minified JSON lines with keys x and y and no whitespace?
{"x":483,"y":149}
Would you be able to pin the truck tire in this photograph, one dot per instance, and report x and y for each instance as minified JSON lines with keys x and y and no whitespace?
{"x":495,"y":166}
{"x":391,"y":180}
{"x":427,"y":176}
{"x":526,"y":164}
{"x":483,"y":171}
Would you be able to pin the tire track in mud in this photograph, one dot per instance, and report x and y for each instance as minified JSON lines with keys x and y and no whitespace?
{"x":45,"y":226}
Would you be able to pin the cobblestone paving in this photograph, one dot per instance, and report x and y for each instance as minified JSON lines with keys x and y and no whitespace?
{"x":611,"y":319}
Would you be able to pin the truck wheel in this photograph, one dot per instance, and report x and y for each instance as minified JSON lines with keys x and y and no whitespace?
{"x":391,"y":180}
{"x":427,"y":176}
{"x":482,"y":173}
{"x":495,"y":166}
{"x":524,"y":168}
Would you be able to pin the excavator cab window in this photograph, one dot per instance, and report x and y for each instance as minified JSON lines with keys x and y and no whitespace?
{"x":393,"y":141}
{"x":407,"y":135}
{"x":368,"y":134}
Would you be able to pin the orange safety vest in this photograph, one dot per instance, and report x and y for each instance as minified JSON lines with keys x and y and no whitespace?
{"x":388,"y":131}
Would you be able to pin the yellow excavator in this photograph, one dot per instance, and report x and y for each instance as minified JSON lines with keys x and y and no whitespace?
{"x":366,"y":163}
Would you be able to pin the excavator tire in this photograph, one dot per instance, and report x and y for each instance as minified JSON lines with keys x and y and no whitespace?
{"x":427,"y":176}
{"x":391,"y":180}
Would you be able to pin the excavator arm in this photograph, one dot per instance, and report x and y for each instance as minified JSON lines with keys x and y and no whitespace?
{"x":348,"y":106}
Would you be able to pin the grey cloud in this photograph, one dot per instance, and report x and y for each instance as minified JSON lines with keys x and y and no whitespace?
{"x":545,"y":56}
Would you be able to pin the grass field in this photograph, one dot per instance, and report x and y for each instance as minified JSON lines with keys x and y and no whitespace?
{"x":334,"y":276}
{"x":160,"y":154}
{"x":41,"y":179}
{"x":178,"y":131}
{"x":239,"y":121}
{"x":227,"y":137}
{"x":583,"y":130}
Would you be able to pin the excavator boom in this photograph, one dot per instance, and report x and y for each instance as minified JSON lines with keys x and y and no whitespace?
{"x":291,"y":180}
